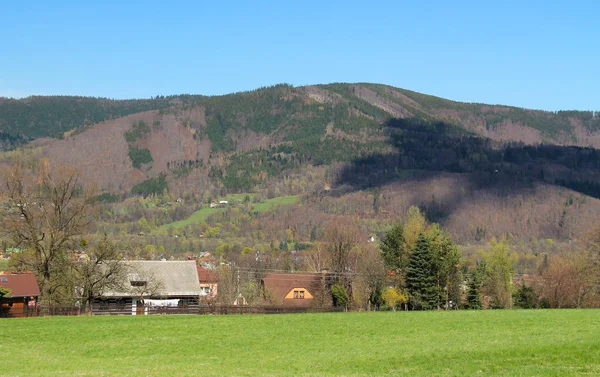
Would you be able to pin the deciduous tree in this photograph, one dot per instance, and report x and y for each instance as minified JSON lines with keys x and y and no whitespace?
{"x":413,"y":226}
{"x":371,"y":275}
{"x":393,"y":297}
{"x":342,"y":235}
{"x":570,"y":281}
{"x":317,"y":257}
{"x":498,"y":273}
{"x":45,"y":214}
{"x":98,"y":270}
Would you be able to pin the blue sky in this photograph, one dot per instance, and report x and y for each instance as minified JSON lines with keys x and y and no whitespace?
{"x":535,"y":54}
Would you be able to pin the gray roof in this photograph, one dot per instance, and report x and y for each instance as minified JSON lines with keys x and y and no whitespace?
{"x":161,"y":279}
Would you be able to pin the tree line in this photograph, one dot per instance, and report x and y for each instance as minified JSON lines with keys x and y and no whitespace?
{"x":416,"y":265}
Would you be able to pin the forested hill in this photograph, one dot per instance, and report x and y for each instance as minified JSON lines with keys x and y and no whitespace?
{"x":50,"y":116}
{"x":363,"y":150}
{"x":244,"y":139}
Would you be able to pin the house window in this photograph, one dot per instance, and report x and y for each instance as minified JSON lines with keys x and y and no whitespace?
{"x":301,"y":294}
{"x":4,"y":280}
{"x":295,"y":294}
{"x":138,"y":283}
{"x":103,"y":305}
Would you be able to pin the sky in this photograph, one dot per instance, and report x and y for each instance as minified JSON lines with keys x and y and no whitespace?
{"x":533,"y":54}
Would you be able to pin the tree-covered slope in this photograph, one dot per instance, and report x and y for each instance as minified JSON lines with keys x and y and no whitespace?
{"x":51,"y":116}
{"x":242,"y":140}
{"x":303,"y":111}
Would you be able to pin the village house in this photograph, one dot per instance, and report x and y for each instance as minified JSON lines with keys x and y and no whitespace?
{"x":152,"y":284}
{"x":208,"y":282}
{"x":292,"y":289}
{"x":23,"y":298}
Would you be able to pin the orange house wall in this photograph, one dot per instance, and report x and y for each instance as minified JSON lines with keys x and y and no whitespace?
{"x":307,"y":295}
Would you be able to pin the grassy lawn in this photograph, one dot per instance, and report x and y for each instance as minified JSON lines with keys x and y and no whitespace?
{"x":201,"y":214}
{"x":196,"y":217}
{"x":271,"y":203}
{"x":506,"y":343}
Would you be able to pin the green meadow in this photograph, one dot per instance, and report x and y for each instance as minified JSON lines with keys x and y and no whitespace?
{"x":272,"y":203}
{"x":498,"y":343}
{"x":203,"y":213}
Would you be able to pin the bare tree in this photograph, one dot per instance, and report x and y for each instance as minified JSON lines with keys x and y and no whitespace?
{"x":44,"y":215}
{"x":371,"y":275}
{"x":97,"y":271}
{"x":342,"y":235}
{"x":317,"y":258}
{"x":570,"y":281}
{"x":228,"y":287}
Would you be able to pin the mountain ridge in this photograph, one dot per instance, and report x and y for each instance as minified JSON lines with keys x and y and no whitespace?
{"x":240,"y":139}
{"x":51,"y":116}
{"x":368,"y":141}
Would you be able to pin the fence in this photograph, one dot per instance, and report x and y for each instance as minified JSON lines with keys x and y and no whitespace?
{"x":213,"y":310}
{"x":18,"y":312}
{"x":263,"y":310}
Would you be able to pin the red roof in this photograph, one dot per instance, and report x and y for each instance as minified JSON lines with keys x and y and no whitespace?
{"x":280,"y":284}
{"x":20,"y":285}
{"x":205,"y":276}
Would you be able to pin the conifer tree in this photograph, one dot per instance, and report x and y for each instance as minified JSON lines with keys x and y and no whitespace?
{"x":524,"y":297}
{"x":421,"y":282}
{"x":474,"y":290}
{"x":393,"y":249}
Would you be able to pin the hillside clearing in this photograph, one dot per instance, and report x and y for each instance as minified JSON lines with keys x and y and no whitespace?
{"x":512,"y":342}
{"x":203,"y":213}
{"x":195,"y":218}
{"x":271,"y":203}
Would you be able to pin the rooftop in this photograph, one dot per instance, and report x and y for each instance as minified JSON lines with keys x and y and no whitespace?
{"x":169,"y":278}
{"x":20,"y":285}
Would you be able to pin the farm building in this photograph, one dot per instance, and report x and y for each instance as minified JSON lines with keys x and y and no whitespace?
{"x":23,"y":298}
{"x":152,"y":286}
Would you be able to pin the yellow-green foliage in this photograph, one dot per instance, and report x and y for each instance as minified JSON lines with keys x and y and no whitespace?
{"x":393,"y":297}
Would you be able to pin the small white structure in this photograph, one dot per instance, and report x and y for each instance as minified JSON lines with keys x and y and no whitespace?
{"x":240,"y":300}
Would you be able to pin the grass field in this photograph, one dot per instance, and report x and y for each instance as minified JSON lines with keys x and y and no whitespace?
{"x":509,"y":343}
{"x":201,"y":214}
{"x":195,"y":218}
{"x":271,"y":203}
